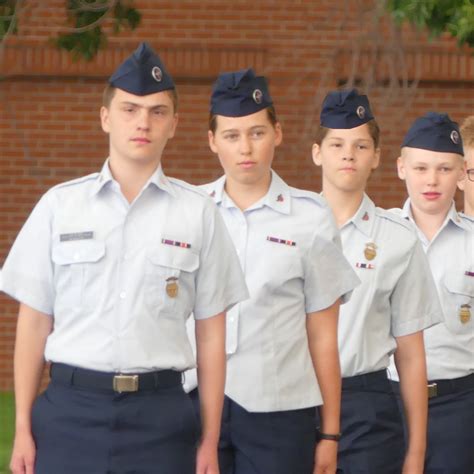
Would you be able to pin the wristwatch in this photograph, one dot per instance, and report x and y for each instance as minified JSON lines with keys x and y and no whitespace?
{"x":328,"y":436}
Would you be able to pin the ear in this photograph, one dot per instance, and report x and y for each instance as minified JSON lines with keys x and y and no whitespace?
{"x":316,"y":154}
{"x":212,"y":143}
{"x":376,"y":162}
{"x":278,"y":134}
{"x":104,"y":119}
{"x":401,"y":168}
{"x":173,"y":127}
{"x":462,"y":176}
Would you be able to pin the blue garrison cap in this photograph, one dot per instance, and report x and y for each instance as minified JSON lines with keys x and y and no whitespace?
{"x":345,"y":109}
{"x":240,"y":93}
{"x":142,"y":73}
{"x":435,"y":132}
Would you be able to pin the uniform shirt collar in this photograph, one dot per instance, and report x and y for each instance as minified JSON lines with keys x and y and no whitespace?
{"x":158,"y":179}
{"x":277,"y":197}
{"x":452,"y":216}
{"x":364,"y":218}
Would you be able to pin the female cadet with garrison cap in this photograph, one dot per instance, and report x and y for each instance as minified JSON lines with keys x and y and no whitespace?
{"x":388,"y":311}
{"x":107,"y":269}
{"x":431,"y":164}
{"x":282,"y":356}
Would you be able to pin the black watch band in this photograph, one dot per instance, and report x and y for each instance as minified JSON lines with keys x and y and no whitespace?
{"x":327,"y":436}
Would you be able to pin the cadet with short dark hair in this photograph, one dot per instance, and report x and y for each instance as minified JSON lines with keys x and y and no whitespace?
{"x":387,"y":313}
{"x":107,"y":269}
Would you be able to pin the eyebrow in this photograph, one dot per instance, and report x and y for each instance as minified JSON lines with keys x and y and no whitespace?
{"x":355,"y":140}
{"x":156,"y":106}
{"x":227,"y":130}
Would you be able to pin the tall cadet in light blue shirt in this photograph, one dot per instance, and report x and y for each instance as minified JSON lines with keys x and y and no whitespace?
{"x":107,"y":269}
{"x":386,"y":314}
{"x":431,"y":164}
{"x":282,"y":358}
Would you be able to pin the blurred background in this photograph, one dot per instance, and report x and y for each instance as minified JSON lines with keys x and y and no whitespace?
{"x":55,"y":57}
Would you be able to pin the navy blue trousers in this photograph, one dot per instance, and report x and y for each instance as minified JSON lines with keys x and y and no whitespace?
{"x":82,"y":431}
{"x":372,"y":430}
{"x":450,"y":441}
{"x":280,"y":442}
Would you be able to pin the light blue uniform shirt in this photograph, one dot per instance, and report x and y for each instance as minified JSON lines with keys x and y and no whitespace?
{"x":289,"y":249}
{"x":397,"y":295}
{"x":450,"y":345}
{"x":121,"y":279}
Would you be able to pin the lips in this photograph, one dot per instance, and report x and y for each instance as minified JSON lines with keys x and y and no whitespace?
{"x":140,"y":140}
{"x":247,"y":164}
{"x":431,"y":196}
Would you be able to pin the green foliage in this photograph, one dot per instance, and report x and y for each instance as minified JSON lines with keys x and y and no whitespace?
{"x":7,"y":424}
{"x":453,"y":16}
{"x":7,"y":17}
{"x":86,"y":16}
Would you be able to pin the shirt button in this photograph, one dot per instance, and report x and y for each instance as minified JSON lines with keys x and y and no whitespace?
{"x":122,"y":295}
{"x":76,"y":256}
{"x":231,"y":319}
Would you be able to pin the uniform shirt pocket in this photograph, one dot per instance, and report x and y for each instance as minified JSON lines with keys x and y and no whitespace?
{"x":169,"y":281}
{"x":76,"y":265}
{"x":459,"y":304}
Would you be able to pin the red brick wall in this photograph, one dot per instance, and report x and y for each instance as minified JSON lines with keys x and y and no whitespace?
{"x":49,"y":122}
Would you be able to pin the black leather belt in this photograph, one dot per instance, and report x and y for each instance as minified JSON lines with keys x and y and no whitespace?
{"x":438,"y":388}
{"x":364,"y":380}
{"x":119,"y":383}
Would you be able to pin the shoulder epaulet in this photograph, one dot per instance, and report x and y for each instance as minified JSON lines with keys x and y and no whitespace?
{"x":310,"y":195}
{"x":187,"y":186}
{"x":75,"y":181}
{"x":394,"y":215}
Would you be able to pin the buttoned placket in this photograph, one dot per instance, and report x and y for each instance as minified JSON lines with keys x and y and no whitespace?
{"x":124,"y":250}
{"x":241,"y":247}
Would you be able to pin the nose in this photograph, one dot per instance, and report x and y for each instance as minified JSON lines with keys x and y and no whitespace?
{"x":348,"y":153}
{"x":245,"y":145}
{"x":143,"y":120}
{"x":432,"y":177}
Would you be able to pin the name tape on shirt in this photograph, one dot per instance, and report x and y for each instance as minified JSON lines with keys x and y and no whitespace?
{"x":76,"y":236}
{"x":468,"y":273}
{"x":369,"y":266}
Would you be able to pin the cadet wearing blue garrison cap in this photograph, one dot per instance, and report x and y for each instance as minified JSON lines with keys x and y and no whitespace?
{"x":396,"y":300}
{"x":289,"y":249}
{"x":431,"y":164}
{"x":107,"y":269}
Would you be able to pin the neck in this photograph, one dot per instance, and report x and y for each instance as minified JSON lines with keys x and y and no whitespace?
{"x":429,"y":224}
{"x":344,"y":204}
{"x":468,"y":209}
{"x":246,"y":194}
{"x":131,"y":176}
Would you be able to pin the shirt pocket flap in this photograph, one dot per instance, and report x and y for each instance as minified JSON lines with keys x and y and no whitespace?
{"x":460,"y":285}
{"x":85,"y":251}
{"x":178,"y":258}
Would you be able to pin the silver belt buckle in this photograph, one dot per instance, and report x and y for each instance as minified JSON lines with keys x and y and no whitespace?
{"x":432,"y":390}
{"x":126,"y":383}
